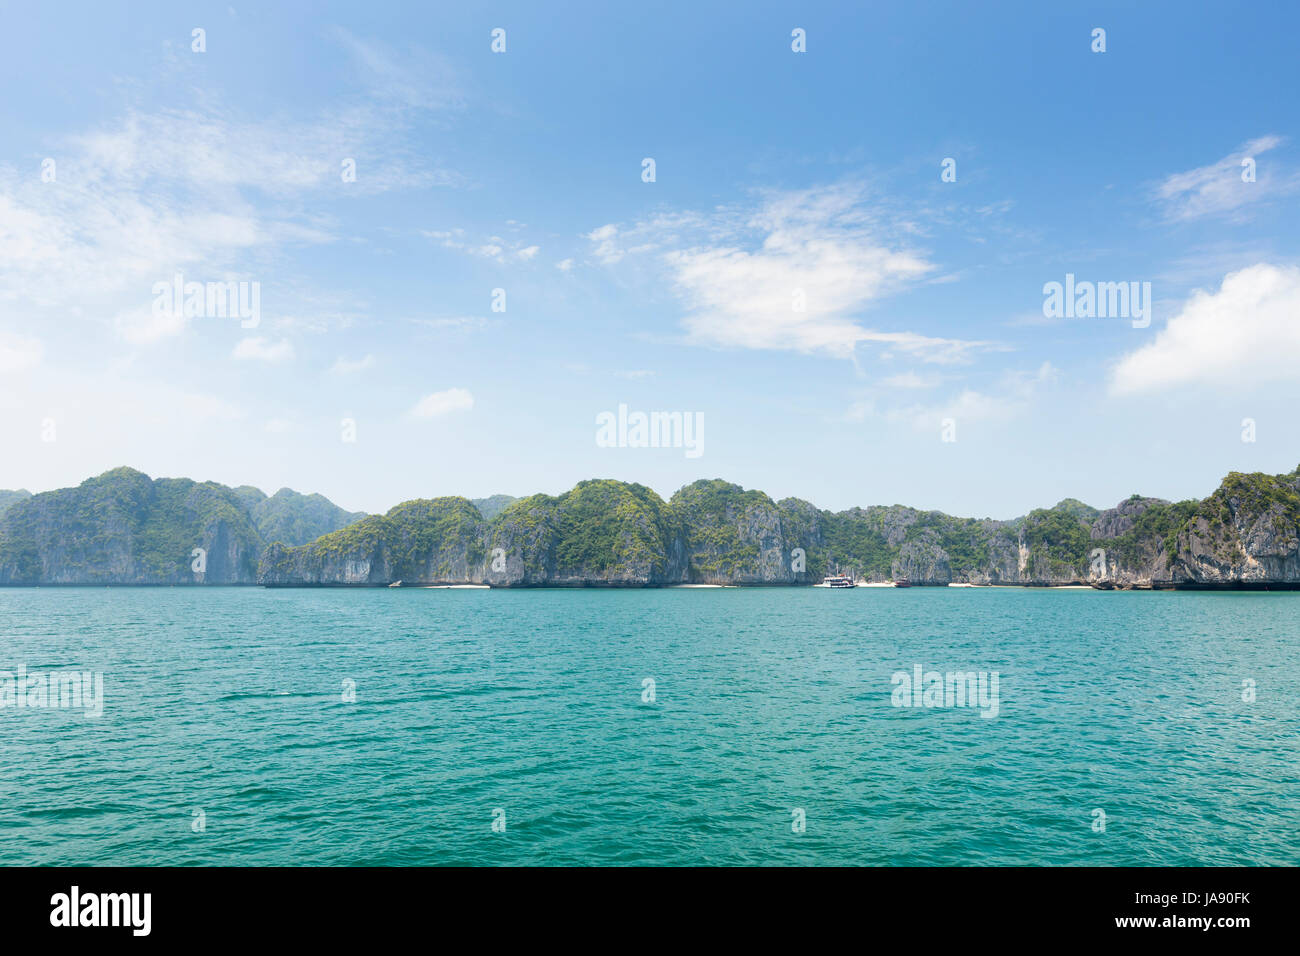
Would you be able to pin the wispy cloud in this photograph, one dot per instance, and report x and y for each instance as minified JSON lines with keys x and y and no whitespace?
{"x":443,"y":403}
{"x":454,"y":323}
{"x":202,"y":191}
{"x":793,"y":274}
{"x":18,"y":353}
{"x":136,"y":202}
{"x":415,"y":78}
{"x":491,"y":247}
{"x":259,"y":349}
{"x":345,"y":366}
{"x":1012,"y":395}
{"x":1219,"y":189}
{"x":910,"y":380}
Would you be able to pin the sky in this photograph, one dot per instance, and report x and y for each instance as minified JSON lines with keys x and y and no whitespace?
{"x":824,"y":233}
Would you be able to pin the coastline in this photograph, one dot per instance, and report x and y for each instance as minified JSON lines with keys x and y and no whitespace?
{"x":1229,"y":587}
{"x":124,"y":528}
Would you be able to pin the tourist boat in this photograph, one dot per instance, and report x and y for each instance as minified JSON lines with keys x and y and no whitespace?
{"x":902,"y":583}
{"x":838,"y":580}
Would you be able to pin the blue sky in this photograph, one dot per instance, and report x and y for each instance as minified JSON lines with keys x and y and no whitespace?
{"x":777,"y":174}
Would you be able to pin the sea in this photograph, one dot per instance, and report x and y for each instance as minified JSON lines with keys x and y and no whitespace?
{"x":730,"y":726}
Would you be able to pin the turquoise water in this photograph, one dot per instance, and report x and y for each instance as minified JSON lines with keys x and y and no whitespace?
{"x":230,"y":701}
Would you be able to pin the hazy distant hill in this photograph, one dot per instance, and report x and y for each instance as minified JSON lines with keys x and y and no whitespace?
{"x":126,"y":528}
{"x":296,"y":519}
{"x":489,"y":508}
{"x":9,"y":497}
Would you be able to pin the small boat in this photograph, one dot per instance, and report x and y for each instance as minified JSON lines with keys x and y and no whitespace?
{"x":902,"y":583}
{"x":395,"y":584}
{"x":838,"y":580}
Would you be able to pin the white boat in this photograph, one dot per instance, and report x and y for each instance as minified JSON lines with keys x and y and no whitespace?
{"x":838,"y":580}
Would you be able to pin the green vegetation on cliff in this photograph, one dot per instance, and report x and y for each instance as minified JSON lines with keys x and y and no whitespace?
{"x":1256,"y":507}
{"x":1154,"y":531}
{"x":1058,"y":542}
{"x":8,"y":498}
{"x":725,"y":526}
{"x":599,"y":528}
{"x":296,"y":519}
{"x":414,"y":541}
{"x":856,"y":541}
{"x":123,"y":527}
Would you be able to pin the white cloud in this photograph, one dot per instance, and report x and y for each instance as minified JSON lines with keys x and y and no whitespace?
{"x":1246,"y":333}
{"x":1218,"y":189}
{"x":456,"y":323}
{"x":200,"y":191}
{"x":345,"y":366}
{"x":1012,"y":395}
{"x":493,"y":247}
{"x":145,"y":327}
{"x":259,"y":349}
{"x":564,"y":265}
{"x":607,"y":250}
{"x":792,"y":274}
{"x":18,"y":353}
{"x":909,"y":380}
{"x":443,"y":403}
{"x":213,"y":149}
{"x":860,"y":410}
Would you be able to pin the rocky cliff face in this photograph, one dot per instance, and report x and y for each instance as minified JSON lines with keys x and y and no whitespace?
{"x":602,"y":533}
{"x":123,"y":528}
{"x":1245,"y":534}
{"x":435,"y":541}
{"x":1123,"y":517}
{"x":734,"y":536}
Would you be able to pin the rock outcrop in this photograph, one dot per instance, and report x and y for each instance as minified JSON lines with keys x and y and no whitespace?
{"x":1246,"y":534}
{"x":125,"y":528}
